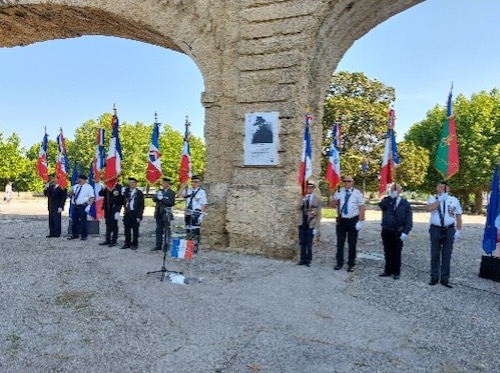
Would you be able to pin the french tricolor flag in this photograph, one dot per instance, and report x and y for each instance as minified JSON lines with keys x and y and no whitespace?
{"x":153,"y":172}
{"x":41,"y":163}
{"x":62,"y":163}
{"x":391,"y":158}
{"x":115,"y":157}
{"x":100,"y":158}
{"x":182,"y":248}
{"x":305,"y":169}
{"x":333,"y":166}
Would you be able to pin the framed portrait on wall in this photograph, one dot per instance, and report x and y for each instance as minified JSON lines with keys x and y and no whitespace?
{"x":261,"y":139}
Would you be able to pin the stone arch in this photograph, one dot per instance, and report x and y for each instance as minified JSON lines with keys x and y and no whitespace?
{"x":254,"y":56}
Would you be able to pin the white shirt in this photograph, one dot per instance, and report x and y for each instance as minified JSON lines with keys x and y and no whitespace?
{"x":355,"y":200}
{"x":199,"y":199}
{"x":452,"y":209}
{"x":82,"y":193}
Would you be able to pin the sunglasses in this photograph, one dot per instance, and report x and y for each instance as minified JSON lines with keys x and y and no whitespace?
{"x":347,"y":181}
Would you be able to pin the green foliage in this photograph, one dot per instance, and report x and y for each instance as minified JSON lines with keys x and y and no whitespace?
{"x":414,"y":162}
{"x":361,"y":105}
{"x":478,"y":129}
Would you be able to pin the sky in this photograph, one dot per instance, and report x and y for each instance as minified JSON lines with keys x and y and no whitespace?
{"x":64,"y":83}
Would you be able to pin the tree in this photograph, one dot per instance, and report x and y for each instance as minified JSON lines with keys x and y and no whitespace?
{"x":413,"y":167}
{"x":362,"y":106}
{"x":14,"y":165}
{"x":478,"y":129}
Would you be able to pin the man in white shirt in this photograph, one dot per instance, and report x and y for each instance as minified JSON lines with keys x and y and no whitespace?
{"x":196,"y":200}
{"x":446,"y":225}
{"x":350,"y":205}
{"x":82,"y":196}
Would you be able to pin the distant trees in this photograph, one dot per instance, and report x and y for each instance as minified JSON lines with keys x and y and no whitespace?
{"x":19,"y":165}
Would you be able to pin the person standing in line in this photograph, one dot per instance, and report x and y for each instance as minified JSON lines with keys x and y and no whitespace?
{"x":82,"y":195}
{"x":111,"y":204}
{"x":350,"y":205}
{"x":134,"y":208}
{"x":165,"y":200}
{"x":8,"y":192}
{"x":397,"y":222}
{"x":56,"y":199}
{"x":309,"y":208}
{"x":196,"y":200}
{"x":445,"y":229}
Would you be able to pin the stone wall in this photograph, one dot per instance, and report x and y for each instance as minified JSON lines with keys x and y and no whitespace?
{"x":255,"y":56}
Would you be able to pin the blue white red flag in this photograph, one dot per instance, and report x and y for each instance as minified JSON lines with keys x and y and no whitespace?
{"x":42,"y":164}
{"x":114,"y":160}
{"x":491,"y":230}
{"x":96,"y":210}
{"x":74,"y":178}
{"x":306,"y":168}
{"x":62,"y":162}
{"x":153,"y":172}
{"x":390,"y":158}
{"x":182,"y":248}
{"x":185,"y":164}
{"x":333,"y":165}
{"x":100,"y":157}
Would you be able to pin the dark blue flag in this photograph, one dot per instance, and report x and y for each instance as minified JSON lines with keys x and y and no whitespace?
{"x":491,"y":229}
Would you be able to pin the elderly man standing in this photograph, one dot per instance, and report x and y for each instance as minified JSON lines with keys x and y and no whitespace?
{"x":134,"y":208}
{"x":309,"y":208}
{"x":350,"y":205}
{"x":397,"y":222}
{"x":446,"y":225}
{"x":82,"y":195}
{"x":165,"y":200}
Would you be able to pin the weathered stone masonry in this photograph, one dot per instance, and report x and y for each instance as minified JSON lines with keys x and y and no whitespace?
{"x":254,"y":55}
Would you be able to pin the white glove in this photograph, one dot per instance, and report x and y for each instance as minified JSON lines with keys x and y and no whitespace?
{"x":314,"y":232}
{"x":59,"y":210}
{"x":46,"y":185}
{"x":336,"y":196}
{"x":117,"y":215}
{"x":403,"y":236}
{"x":394,"y":194}
{"x":87,"y":209}
{"x":138,"y":220}
{"x":159,"y":195}
{"x":442,"y":197}
{"x":359,"y":225}
{"x":123,"y":190}
{"x":457,"y":235}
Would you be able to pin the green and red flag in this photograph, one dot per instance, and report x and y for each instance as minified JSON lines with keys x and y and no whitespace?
{"x":447,"y":152}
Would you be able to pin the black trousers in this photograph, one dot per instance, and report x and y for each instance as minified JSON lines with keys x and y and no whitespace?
{"x":54,"y":223}
{"x":441,"y":249}
{"x":131,"y":226}
{"x":79,"y":217}
{"x":392,"y":251}
{"x":161,"y":222}
{"x":306,"y":243}
{"x":346,"y":228}
{"x":111,"y":226}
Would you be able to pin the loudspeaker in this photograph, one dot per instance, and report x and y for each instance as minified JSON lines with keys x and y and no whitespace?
{"x":490,"y":268}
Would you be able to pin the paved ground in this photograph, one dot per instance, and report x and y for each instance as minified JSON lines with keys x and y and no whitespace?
{"x":74,"y":306}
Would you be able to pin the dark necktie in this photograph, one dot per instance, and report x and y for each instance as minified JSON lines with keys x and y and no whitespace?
{"x":345,"y":209}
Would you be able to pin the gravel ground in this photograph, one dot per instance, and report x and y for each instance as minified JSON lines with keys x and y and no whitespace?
{"x":75,"y":306}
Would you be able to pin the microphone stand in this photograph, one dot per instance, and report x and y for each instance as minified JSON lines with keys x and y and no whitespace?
{"x":166,"y":244}
{"x":194,"y":231}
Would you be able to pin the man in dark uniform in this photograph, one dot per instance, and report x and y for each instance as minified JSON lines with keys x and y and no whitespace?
{"x":56,"y":201}
{"x":111,"y":204}
{"x":134,"y":208}
{"x":164,"y":199}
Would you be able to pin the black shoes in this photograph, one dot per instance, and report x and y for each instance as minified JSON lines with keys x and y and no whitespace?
{"x":111,"y":244}
{"x":396,"y":277}
{"x":134,"y":247}
{"x":433,"y":282}
{"x":385,"y":274}
{"x":337,"y":267}
{"x":350,"y":269}
{"x":104,"y":243}
{"x":301,"y":263}
{"x":125,"y":247}
{"x":83,"y":238}
{"x":155,"y":249}
{"x":447,"y":284}
{"x":72,"y":238}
